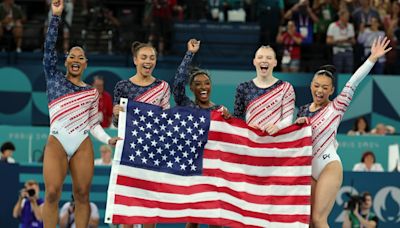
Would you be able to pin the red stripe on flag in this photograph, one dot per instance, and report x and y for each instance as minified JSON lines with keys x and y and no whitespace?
{"x":257,"y":161}
{"x":270,"y":180}
{"x":236,"y":139}
{"x":201,"y":188}
{"x":120,"y":219}
{"x":205,"y":205}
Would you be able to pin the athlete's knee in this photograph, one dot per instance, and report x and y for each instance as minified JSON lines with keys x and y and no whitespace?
{"x":81,"y":195}
{"x":52,"y":195}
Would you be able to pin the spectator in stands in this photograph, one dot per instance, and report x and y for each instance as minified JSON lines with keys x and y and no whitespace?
{"x":341,"y":36}
{"x":364,"y":14}
{"x":162,"y":24}
{"x":195,"y":10}
{"x":302,"y":14}
{"x":105,"y":102}
{"x":366,"y":36}
{"x":11,"y":18}
{"x":85,"y":7}
{"x":67,"y":215}
{"x":360,"y":127}
{"x":104,"y":25}
{"x":249,"y":7}
{"x":368,"y":163}
{"x":28,"y":208}
{"x":391,"y":25}
{"x":361,"y":216}
{"x":382,"y":129}
{"x":326,"y":13}
{"x":270,"y":16}
{"x":67,"y":21}
{"x":291,"y":40}
{"x":382,"y":7}
{"x":7,"y":150}
{"x":349,"y":5}
{"x":105,"y":156}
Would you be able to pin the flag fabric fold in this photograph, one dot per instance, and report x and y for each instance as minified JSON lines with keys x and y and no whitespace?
{"x":191,"y":165}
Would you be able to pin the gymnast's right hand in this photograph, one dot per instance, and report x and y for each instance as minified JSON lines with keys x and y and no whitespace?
{"x":302,"y":120}
{"x":193,"y":45}
{"x":117,"y":109}
{"x":57,"y":7}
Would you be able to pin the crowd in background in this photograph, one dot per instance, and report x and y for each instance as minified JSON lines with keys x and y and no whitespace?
{"x":348,"y":26}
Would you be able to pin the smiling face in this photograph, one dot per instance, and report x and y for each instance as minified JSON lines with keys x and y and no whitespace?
{"x":76,"y":62}
{"x":321,"y":89}
{"x":264,"y":61}
{"x":201,"y":88}
{"x":145,"y":61}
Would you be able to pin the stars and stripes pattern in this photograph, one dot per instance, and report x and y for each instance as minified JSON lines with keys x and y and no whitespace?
{"x":191,"y":165}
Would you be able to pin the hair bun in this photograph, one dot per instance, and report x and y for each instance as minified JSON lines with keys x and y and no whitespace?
{"x":330,"y":68}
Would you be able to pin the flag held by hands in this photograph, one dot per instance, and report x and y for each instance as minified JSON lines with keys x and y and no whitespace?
{"x":191,"y":165}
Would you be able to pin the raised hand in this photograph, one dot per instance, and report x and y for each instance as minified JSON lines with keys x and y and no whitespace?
{"x":379,"y":48}
{"x":57,"y":7}
{"x":193,"y":45}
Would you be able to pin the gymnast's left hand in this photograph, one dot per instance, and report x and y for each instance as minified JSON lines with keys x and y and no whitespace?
{"x":271,"y":129}
{"x":114,"y":140}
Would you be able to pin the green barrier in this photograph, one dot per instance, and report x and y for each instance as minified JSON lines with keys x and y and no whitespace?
{"x":30,"y":141}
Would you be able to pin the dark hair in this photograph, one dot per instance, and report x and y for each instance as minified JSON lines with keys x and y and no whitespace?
{"x":327,"y":70}
{"x":136,"y":46}
{"x":364,"y":196}
{"x":355,"y":126}
{"x":367,"y":153}
{"x":194,"y":71}
{"x":7,"y":146}
{"x":76,"y":45}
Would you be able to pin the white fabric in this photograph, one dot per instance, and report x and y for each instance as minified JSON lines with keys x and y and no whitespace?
{"x":319,"y":162}
{"x":99,"y":161}
{"x":361,"y":167}
{"x":99,"y":133}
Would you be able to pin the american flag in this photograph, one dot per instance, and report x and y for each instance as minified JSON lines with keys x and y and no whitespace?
{"x":191,"y":165}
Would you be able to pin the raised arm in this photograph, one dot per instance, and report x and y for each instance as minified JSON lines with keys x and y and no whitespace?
{"x":50,"y":54}
{"x":378,"y":49}
{"x":182,"y":74}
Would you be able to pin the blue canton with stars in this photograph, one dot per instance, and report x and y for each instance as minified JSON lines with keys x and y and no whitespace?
{"x":169,"y":140}
{"x":57,"y":84}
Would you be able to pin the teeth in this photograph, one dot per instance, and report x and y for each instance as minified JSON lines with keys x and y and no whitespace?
{"x":203,"y":93}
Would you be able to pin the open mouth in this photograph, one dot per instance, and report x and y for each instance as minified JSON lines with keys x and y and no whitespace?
{"x":75,"y":67}
{"x":204,"y":94}
{"x":264,"y":67}
{"x":147,"y":68}
{"x":319,"y":97}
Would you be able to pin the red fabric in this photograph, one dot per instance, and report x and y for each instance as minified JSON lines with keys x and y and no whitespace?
{"x":290,"y":45}
{"x":105,"y":106}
